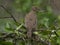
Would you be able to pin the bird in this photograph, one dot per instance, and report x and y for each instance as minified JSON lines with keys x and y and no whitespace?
{"x":31,"y":21}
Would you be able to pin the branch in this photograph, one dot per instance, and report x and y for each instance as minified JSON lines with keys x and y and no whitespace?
{"x":4,"y":17}
{"x":56,"y":34}
{"x":9,"y":13}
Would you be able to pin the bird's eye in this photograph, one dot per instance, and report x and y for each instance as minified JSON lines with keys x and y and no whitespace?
{"x":34,"y":24}
{"x":30,"y":19}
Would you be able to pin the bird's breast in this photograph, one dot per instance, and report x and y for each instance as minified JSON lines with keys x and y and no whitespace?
{"x":30,"y":20}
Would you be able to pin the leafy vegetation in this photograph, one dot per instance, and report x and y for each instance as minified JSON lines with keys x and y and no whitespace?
{"x":48,"y":25}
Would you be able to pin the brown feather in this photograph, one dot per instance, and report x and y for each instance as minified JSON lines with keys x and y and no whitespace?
{"x":30,"y":22}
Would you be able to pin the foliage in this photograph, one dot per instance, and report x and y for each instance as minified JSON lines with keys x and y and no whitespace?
{"x":48,"y":26}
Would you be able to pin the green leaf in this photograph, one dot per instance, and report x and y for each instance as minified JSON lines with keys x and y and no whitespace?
{"x":5,"y":43}
{"x":58,"y":41}
{"x":8,"y":27}
{"x":19,"y":27}
{"x":58,"y":32}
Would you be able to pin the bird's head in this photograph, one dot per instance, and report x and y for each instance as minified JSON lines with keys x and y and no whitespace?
{"x":35,"y":8}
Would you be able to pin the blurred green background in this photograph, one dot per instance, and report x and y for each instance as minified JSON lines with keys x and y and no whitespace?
{"x":48,"y":19}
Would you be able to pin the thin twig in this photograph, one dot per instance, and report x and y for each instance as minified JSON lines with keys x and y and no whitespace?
{"x":4,"y":17}
{"x":9,"y":13}
{"x":56,"y":34}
